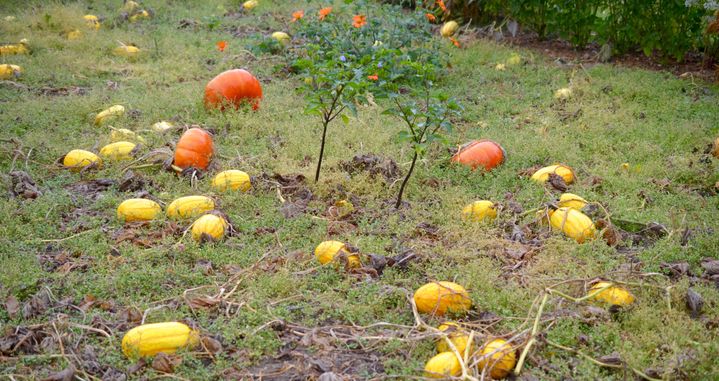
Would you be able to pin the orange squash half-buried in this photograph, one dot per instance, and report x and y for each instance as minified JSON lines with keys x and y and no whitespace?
{"x":233,"y":87}
{"x":194,"y":149}
{"x":480,"y":153}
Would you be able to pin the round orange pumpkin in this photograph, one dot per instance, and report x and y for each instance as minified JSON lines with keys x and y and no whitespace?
{"x":234,"y":87}
{"x":480,"y":153}
{"x":194,"y":149}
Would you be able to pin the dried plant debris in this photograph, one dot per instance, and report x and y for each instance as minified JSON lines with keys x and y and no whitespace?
{"x":374,"y":165}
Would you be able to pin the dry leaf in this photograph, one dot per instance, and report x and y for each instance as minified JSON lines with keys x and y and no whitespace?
{"x":166,"y":363}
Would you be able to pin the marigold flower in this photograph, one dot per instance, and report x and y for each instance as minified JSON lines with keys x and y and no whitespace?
{"x":441,"y":5}
{"x":324,"y":12}
{"x":430,"y":17}
{"x":373,"y":77}
{"x":359,"y":21}
{"x":455,"y":42}
{"x":221,"y":45}
{"x":297,"y":15}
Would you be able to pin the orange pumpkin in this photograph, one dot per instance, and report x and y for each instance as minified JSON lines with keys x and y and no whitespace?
{"x":480,"y":153}
{"x":234,"y":87}
{"x":195,"y":149}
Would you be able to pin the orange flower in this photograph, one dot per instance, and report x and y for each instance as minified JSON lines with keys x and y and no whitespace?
{"x":324,"y":12}
{"x":430,"y":17}
{"x":221,"y":45}
{"x":359,"y":21}
{"x":297,"y":15}
{"x":373,"y":77}
{"x":440,"y":3}
{"x":455,"y":42}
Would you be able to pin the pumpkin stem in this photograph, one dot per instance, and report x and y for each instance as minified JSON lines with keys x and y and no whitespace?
{"x":404,"y":182}
{"x":322,"y":149}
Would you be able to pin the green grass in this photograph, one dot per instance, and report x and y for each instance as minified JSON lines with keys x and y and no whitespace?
{"x":658,"y":124}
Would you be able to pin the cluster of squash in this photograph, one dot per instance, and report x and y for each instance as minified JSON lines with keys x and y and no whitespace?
{"x":496,"y":357}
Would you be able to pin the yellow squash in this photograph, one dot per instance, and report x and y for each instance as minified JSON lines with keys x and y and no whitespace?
{"x":123,"y":134}
{"x":249,"y":4}
{"x":127,"y":51}
{"x":232,"y":180}
{"x":79,"y":159}
{"x":190,"y":207}
{"x":443,"y":365}
{"x":612,"y":294}
{"x":108,"y":114}
{"x":457,"y":336}
{"x":449,"y":29}
{"x":10,"y":71}
{"x":21,"y":47}
{"x":141,"y":15}
{"x":326,"y":252}
{"x":92,"y":21}
{"x":563,"y":93}
{"x":281,"y":37}
{"x":573,"y":201}
{"x":439,"y":298}
{"x":74,"y":34}
{"x":479,"y":211}
{"x":499,"y":357}
{"x":151,"y":339}
{"x":130,"y":6}
{"x":162,"y":126}
{"x":573,"y":223}
{"x":138,"y":209}
{"x":209,"y":225}
{"x":542,"y":175}
{"x":118,"y":151}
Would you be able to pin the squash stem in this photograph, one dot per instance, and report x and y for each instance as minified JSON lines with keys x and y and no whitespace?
{"x":322,"y":149}
{"x":404,"y":182}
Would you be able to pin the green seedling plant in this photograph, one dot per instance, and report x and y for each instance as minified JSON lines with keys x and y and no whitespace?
{"x":427,"y":116}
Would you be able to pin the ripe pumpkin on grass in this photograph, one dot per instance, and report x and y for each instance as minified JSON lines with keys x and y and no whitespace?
{"x":328,"y":250}
{"x":194,"y":149}
{"x":443,"y":365}
{"x":138,"y":209}
{"x":499,"y":356}
{"x":151,"y":339}
{"x":189,"y":207}
{"x":439,"y":298}
{"x":78,"y":159}
{"x":209,"y":225}
{"x":233,"y":87}
{"x":480,"y":153}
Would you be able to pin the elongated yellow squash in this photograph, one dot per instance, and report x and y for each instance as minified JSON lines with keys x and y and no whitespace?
{"x":118,"y":151}
{"x":443,"y":365}
{"x":109,"y":113}
{"x":542,"y":175}
{"x":232,"y":180}
{"x":10,"y":71}
{"x":326,"y":252}
{"x":151,"y":339}
{"x":573,"y":201}
{"x":479,"y":211}
{"x":612,"y":294}
{"x":573,"y":223}
{"x":439,"y":298}
{"x":78,"y":159}
{"x":499,"y":357}
{"x":138,"y":209}
{"x":189,"y":207}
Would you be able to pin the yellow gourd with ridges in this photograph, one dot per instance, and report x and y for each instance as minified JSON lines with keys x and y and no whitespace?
{"x":573,"y":223}
{"x":10,"y":71}
{"x":210,"y":225}
{"x":127,"y":51}
{"x":443,"y":365}
{"x":565,"y":172}
{"x":19,"y":48}
{"x":141,"y":15}
{"x":249,"y":4}
{"x":233,"y":180}
{"x":439,"y":298}
{"x":479,"y":211}
{"x":449,"y":29}
{"x":108,"y":114}
{"x":118,"y":151}
{"x":281,"y":37}
{"x":123,"y":134}
{"x":457,"y":336}
{"x":499,"y":356}
{"x":78,"y":159}
{"x":151,"y":339}
{"x":612,"y":294}
{"x":138,"y":209}
{"x":326,"y":252}
{"x":92,"y":21}
{"x":573,"y":201}
{"x":189,"y":207}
